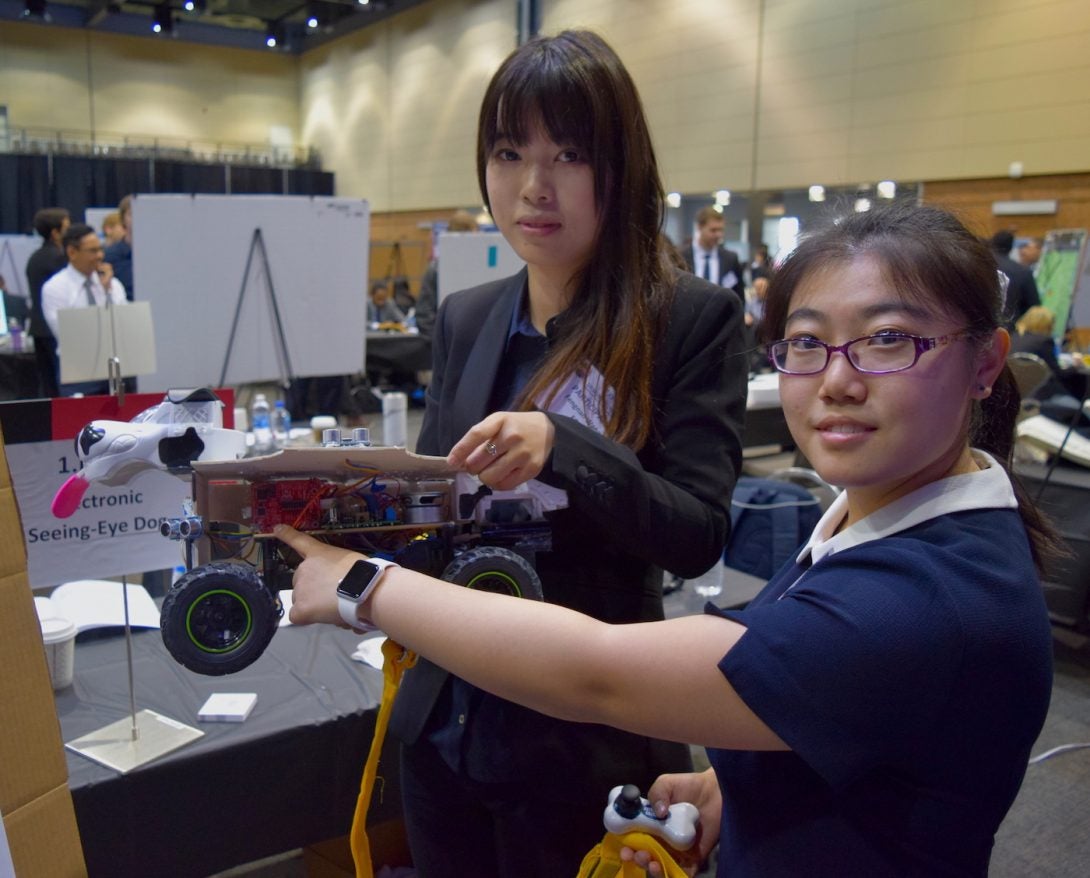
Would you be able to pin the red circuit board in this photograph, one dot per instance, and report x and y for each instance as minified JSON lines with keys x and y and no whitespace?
{"x":282,"y":501}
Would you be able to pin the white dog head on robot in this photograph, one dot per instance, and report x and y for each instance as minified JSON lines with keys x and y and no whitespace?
{"x":186,"y":426}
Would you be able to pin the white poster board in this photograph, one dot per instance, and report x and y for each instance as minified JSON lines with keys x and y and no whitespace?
{"x":15,"y":250}
{"x":473,"y":258}
{"x":196,"y":257}
{"x":90,"y":336}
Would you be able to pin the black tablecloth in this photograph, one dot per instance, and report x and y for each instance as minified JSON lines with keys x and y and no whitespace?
{"x":286,"y":777}
{"x":397,"y":352}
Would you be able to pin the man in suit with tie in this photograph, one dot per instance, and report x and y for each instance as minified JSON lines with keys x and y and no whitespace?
{"x":87,"y":280}
{"x":706,"y":256}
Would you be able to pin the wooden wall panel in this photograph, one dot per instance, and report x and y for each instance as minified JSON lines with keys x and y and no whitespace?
{"x":972,"y":201}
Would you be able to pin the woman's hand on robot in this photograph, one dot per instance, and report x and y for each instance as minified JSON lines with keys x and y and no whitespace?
{"x":506,"y":449}
{"x":314,"y":585}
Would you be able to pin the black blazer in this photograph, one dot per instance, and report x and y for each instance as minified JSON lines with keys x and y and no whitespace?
{"x":728,"y":262}
{"x":43,"y":263}
{"x":630,"y":514}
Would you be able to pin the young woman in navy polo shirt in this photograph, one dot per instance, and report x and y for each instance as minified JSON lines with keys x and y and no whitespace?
{"x":872,"y":710}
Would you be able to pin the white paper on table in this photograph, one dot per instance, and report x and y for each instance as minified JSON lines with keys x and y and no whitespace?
{"x":369,"y":652}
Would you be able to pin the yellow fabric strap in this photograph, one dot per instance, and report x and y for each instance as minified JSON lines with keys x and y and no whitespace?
{"x":604,"y":860}
{"x":395,"y":661}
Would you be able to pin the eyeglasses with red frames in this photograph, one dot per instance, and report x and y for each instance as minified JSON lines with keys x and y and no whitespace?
{"x":878,"y":354}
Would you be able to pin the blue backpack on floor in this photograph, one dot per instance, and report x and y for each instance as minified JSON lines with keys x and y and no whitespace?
{"x":770,"y":520}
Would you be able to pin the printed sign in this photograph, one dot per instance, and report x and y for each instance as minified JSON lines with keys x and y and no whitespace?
{"x":115,"y":529}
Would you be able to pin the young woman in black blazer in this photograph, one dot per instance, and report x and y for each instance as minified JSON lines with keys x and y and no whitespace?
{"x":647,"y":447}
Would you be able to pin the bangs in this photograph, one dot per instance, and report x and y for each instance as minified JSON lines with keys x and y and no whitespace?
{"x":549,"y":95}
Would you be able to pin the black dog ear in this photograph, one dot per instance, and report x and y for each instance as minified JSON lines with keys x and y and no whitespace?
{"x":178,"y":452}
{"x":88,"y":436}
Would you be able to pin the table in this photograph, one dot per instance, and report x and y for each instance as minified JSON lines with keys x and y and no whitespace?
{"x":403,"y":353}
{"x":286,"y":777}
{"x":765,"y":423}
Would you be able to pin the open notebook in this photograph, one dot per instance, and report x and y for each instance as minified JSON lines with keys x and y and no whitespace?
{"x":98,"y":603}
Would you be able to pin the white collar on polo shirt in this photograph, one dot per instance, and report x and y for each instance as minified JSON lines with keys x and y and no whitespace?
{"x":987,"y":488}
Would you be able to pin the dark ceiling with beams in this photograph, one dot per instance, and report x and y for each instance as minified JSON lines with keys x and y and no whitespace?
{"x":296,"y":25}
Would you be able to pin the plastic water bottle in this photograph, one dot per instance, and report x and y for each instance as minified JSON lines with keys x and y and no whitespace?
{"x":281,"y":424}
{"x":16,"y":330}
{"x":260,"y":425}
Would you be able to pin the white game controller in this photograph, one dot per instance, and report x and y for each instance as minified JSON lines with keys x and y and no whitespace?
{"x":628,"y":811}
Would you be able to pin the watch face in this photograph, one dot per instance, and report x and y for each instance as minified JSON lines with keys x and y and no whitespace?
{"x":355,"y":582}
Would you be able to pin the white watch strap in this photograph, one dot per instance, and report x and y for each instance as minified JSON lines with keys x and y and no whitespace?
{"x":348,"y":608}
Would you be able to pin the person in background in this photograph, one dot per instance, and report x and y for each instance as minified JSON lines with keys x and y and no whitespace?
{"x":706,"y":256}
{"x":759,"y":265}
{"x":1029,"y":252}
{"x":119,"y":253}
{"x":872,"y":711}
{"x":428,"y":300}
{"x":598,"y":370}
{"x":113,"y":229}
{"x":16,"y":307}
{"x":1022,"y":290}
{"x":755,"y":312}
{"x":51,"y":223}
{"x":1033,"y":335}
{"x":381,"y":308}
{"x":87,"y":280}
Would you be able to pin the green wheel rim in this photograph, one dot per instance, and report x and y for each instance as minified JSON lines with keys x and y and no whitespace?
{"x":481,"y":579}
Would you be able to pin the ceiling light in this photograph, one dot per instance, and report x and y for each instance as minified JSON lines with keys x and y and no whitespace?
{"x":722,"y":197}
{"x":162,"y":22}
{"x":36,"y":9}
{"x":673,"y":199}
{"x":817,"y":192}
{"x":275,"y":35}
{"x":887,"y":189}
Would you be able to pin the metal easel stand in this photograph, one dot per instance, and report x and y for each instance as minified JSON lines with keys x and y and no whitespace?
{"x":287,"y":376}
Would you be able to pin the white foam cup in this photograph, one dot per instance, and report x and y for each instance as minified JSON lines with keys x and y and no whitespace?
{"x":59,"y":637}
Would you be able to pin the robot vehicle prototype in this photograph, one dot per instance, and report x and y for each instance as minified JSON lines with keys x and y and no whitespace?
{"x":221,"y":614}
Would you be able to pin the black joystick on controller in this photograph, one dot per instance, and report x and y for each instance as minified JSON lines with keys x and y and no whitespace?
{"x":629,"y":803}
{"x":628,"y":811}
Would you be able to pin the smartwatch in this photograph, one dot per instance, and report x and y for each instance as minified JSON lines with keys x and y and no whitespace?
{"x":356,"y":587}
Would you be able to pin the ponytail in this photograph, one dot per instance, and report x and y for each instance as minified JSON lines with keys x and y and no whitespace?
{"x":993,"y":430}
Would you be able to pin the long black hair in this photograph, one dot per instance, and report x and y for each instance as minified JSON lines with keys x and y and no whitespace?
{"x":575,"y":87}
{"x":928,"y":256}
